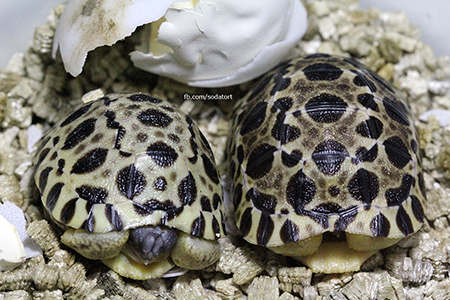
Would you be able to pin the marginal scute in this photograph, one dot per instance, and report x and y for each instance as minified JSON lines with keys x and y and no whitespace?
{"x":206,"y":203}
{"x":404,"y":221}
{"x":42,"y":155}
{"x":396,"y":196}
{"x":76,"y":114}
{"x":260,"y":161}
{"x":289,"y":232}
{"x":380,"y":226}
{"x":322,"y":71}
{"x":237,"y":197}
{"x":53,"y":196}
{"x":198,"y":226}
{"x":217,"y":201}
{"x":152,"y":205}
{"x":422,"y":184}
{"x":371,"y":128}
{"x":89,"y":223}
{"x":43,"y":178}
{"x":364,"y":186}
{"x":367,"y":100}
{"x":254,"y":118}
{"x":397,"y":152}
{"x":187,"y":190}
{"x":323,"y":144}
{"x":417,"y":208}
{"x":68,"y":211}
{"x":216,"y":227}
{"x":345,"y":218}
{"x":92,"y":194}
{"x":144,"y":98}
{"x":240,"y":154}
{"x":114,"y":217}
{"x":396,"y":111}
{"x":265,"y":229}
{"x":265,"y":203}
{"x":210,"y":170}
{"x":362,"y":80}
{"x":246,"y":222}
{"x":79,"y":134}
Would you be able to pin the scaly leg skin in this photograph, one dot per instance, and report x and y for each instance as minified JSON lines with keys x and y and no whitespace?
{"x":335,"y":257}
{"x":194,"y":253}
{"x":95,"y":245}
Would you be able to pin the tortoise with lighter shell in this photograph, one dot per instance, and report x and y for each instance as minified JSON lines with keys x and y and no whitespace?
{"x":324,"y":163}
{"x":132,"y":181}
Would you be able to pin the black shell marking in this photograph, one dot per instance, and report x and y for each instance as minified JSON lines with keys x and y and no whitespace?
{"x":323,"y":144}
{"x":124,"y":161}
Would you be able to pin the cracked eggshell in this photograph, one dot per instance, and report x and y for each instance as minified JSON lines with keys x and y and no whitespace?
{"x":224,"y":42}
{"x":202,"y":43}
{"x":12,"y":251}
{"x":87,"y":24}
{"x":15,"y":244}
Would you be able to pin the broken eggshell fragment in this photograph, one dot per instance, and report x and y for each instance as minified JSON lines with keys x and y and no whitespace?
{"x":12,"y":252}
{"x":15,"y":244}
{"x":200,"y":43}
{"x":87,"y":24}
{"x":221,"y":43}
{"x":441,"y":115}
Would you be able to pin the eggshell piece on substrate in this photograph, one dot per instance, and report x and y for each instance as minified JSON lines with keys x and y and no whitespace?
{"x":15,"y":244}
{"x":12,"y":252}
{"x":442,"y":115}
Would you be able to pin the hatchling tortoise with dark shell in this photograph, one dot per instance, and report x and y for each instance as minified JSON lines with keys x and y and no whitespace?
{"x":132,"y":181}
{"x":325,"y":165}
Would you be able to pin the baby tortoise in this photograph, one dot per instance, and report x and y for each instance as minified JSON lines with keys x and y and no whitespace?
{"x":325,"y":165}
{"x":133,"y":182}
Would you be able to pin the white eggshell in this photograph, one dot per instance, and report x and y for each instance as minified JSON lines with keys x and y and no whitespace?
{"x":88,"y":24}
{"x":34,"y":134}
{"x":442,"y":115}
{"x":12,"y":252}
{"x":206,"y":43}
{"x":225,"y":42}
{"x":15,"y":244}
